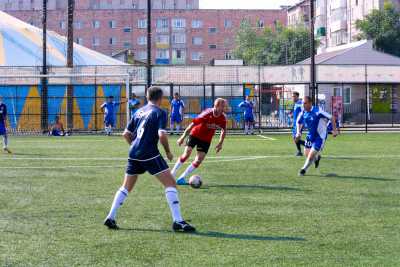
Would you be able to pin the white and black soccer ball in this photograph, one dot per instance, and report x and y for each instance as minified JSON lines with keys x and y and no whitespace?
{"x":195,"y":181}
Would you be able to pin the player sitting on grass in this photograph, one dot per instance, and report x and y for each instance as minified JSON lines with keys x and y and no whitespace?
{"x":201,"y":130}
{"x":57,"y":128}
{"x":248,"y":107}
{"x":142,"y":134}
{"x":297,"y":108}
{"x":316,"y":122}
{"x":3,"y":128}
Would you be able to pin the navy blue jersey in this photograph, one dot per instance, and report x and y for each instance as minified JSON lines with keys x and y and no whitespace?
{"x":248,"y":107}
{"x":316,"y":122}
{"x":144,"y":126}
{"x":3,"y":113}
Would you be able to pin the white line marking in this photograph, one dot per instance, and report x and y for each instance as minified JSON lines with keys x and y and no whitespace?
{"x":266,"y":137}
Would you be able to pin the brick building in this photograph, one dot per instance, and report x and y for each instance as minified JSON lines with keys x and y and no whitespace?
{"x":182,"y":33}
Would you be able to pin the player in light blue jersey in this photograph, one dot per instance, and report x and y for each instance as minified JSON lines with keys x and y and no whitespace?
{"x":177,"y":108}
{"x":297,"y":108}
{"x":142,"y":134}
{"x":248,"y":106}
{"x":134,"y":104}
{"x":108,"y":108}
{"x":3,"y":128}
{"x":316,"y":122}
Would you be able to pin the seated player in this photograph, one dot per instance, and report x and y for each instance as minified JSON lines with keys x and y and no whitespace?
{"x":134,"y":104}
{"x":201,"y":130}
{"x":297,"y":108}
{"x":57,"y":129}
{"x":177,"y":108}
{"x":108,"y":108}
{"x":248,"y":107}
{"x":316,"y":122}
{"x":3,"y":128}
{"x":142,"y":135}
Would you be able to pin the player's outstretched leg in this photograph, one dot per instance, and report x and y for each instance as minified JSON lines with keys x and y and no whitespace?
{"x":317,"y":160}
{"x":186,"y":154}
{"x":119,"y":199}
{"x":191,"y":168}
{"x":298,"y":146}
{"x":311,"y":156}
{"x":5,"y":144}
{"x":171,"y":194}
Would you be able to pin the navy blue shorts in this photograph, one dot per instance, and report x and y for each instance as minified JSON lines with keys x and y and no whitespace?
{"x":109,"y":122}
{"x":249,"y":118}
{"x":3,"y":130}
{"x":154,"y":166}
{"x":176,"y":118}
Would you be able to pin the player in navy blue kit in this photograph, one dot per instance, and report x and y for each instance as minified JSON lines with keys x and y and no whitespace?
{"x":177,"y":108}
{"x":3,"y":129}
{"x":108,"y":108}
{"x":248,"y":107}
{"x":297,"y":108}
{"x":316,"y":122}
{"x":142,"y":134}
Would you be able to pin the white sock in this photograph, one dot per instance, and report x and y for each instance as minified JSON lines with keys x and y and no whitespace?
{"x":178,"y":128}
{"x":5,"y":141}
{"x":308,"y":163}
{"x":173,"y":201}
{"x":188,"y":171}
{"x":178,"y":164}
{"x":251,"y":128}
{"x":246,"y":129}
{"x":119,"y":199}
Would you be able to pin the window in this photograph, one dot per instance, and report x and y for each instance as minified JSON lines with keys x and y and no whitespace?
{"x":212,"y":30}
{"x":179,"y":23}
{"x":196,"y":56}
{"x":127,"y":29}
{"x":197,"y":40}
{"x":127,"y":45}
{"x":189,"y":4}
{"x":78,"y":25}
{"x":228,"y":23}
{"x":162,"y":53}
{"x":96,"y":41}
{"x":142,"y":40}
{"x":338,"y":37}
{"x":142,"y":55}
{"x":337,"y":91}
{"x":163,"y":39}
{"x":142,"y":23}
{"x":347,"y":95}
{"x":162,"y":23}
{"x":113,"y":41}
{"x":96,"y":24}
{"x":197,"y":24}
{"x":112,"y":24}
{"x":228,"y":55}
{"x":179,"y":54}
{"x":260,"y":24}
{"x":163,"y":4}
{"x":79,"y":40}
{"x":62,"y":25}
{"x":179,"y":38}
{"x":212,"y":46}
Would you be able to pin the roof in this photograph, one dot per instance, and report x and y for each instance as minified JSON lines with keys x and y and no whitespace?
{"x":21,"y":45}
{"x":359,"y":53}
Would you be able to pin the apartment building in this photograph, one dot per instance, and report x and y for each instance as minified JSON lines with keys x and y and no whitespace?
{"x":182,"y":33}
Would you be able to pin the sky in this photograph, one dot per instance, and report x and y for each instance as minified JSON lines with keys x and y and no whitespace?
{"x":245,"y":4}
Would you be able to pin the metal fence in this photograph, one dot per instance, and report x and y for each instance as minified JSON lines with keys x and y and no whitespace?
{"x":360,"y":96}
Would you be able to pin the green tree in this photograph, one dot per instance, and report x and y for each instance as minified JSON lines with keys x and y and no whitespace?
{"x":383,"y":27}
{"x":281,"y":45}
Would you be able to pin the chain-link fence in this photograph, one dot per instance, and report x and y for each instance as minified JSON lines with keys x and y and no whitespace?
{"x":360,"y":96}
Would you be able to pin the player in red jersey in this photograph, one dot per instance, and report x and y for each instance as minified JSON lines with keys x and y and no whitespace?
{"x":201,"y":130}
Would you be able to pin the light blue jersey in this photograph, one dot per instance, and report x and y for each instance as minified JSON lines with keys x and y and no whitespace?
{"x":297,"y":108}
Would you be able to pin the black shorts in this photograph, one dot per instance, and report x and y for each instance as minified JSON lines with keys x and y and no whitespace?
{"x":154,"y":166}
{"x":202,"y":146}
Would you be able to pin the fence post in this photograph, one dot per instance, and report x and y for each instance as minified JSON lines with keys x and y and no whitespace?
{"x":259,"y":99}
{"x":366,"y":99}
{"x":213,"y":92}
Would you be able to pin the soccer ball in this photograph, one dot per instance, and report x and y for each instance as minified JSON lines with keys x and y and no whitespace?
{"x":195,"y":181}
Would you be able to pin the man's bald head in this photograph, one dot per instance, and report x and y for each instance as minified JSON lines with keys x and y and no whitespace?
{"x":219,"y":106}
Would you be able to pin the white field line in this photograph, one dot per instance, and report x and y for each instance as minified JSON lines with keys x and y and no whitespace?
{"x":206,"y":162}
{"x":266,"y":137}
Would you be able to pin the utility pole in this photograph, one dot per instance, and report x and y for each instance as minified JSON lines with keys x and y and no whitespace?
{"x":44,"y":80}
{"x":149,"y":78}
{"x":70,"y":63}
{"x":313,"y":86}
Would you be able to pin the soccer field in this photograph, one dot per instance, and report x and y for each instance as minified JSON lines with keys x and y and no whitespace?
{"x":252,"y":210}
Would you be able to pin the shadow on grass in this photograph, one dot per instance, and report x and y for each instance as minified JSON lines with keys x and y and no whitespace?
{"x":255,"y":186}
{"x":222,"y":235}
{"x":334,"y":175}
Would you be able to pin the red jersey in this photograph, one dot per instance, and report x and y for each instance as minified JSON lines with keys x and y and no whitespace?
{"x":206,"y":124}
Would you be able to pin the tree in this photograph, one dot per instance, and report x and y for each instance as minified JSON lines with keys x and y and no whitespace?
{"x":383,"y":27}
{"x":281,"y":45}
